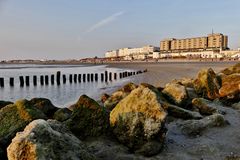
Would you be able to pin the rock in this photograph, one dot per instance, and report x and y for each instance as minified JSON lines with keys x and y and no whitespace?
{"x":139,"y":118}
{"x":150,"y":148}
{"x":236,"y":106}
{"x":230,"y":86}
{"x":47,"y":140}
{"x":196,"y":127}
{"x":207,"y":84}
{"x":182,"y":113}
{"x":176,"y":94}
{"x":14,"y":118}
{"x":104,"y":97}
{"x":117,"y":96}
{"x":191,"y":94}
{"x":62,"y":114}
{"x":187,"y":82}
{"x":88,"y":119}
{"x":44,"y":105}
{"x":4,"y":103}
{"x":205,"y":107}
{"x":232,"y":69}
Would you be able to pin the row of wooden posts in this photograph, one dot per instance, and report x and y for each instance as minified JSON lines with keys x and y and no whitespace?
{"x":73,"y":78}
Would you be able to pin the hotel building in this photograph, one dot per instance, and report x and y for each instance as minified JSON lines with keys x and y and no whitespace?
{"x":215,"y":41}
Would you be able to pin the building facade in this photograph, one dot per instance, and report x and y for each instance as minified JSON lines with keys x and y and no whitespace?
{"x":211,"y":42}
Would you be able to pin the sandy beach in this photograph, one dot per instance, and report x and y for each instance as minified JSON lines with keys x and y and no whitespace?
{"x":163,"y":72}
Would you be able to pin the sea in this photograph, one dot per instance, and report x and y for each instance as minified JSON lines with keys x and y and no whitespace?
{"x":62,"y":95}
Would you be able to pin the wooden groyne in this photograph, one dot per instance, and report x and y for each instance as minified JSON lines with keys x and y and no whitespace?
{"x":59,"y":79}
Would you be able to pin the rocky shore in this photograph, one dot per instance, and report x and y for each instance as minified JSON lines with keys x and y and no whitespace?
{"x":187,"y":119}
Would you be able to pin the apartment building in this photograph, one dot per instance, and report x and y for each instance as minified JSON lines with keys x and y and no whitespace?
{"x":111,"y":54}
{"x":211,"y":42}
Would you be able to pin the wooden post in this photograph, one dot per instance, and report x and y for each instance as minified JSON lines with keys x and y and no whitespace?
{"x":70,"y":78}
{"x":110,"y":76}
{"x":106,"y":76}
{"x":52,"y":79}
{"x":92,"y":77}
{"x":134,"y":73}
{"x":84,"y":78}
{"x":58,"y":77}
{"x":34,"y":80}
{"x":1,"y":82}
{"x":21,"y":79}
{"x":102,"y":77}
{"x":120,"y":75}
{"x":79,"y":78}
{"x":88,"y":77}
{"x":11,"y":81}
{"x":75,"y":78}
{"x":96,"y":77}
{"x":64,"y":78}
{"x":27,"y":80}
{"x":46,"y":80}
{"x":115,"y":76}
{"x":42,"y":80}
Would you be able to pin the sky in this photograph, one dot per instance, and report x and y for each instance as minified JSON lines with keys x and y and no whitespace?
{"x":74,"y":29}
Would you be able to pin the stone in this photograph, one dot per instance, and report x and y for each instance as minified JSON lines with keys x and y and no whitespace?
{"x":104,"y":97}
{"x":187,"y":82}
{"x":207,"y":84}
{"x":196,"y":127}
{"x":176,"y":93}
{"x":88,"y":119}
{"x":47,"y":140}
{"x":230,"y":86}
{"x":236,"y":106}
{"x":182,"y":113}
{"x":45,"y":105}
{"x":139,"y":118}
{"x":232,"y":69}
{"x":62,"y":114}
{"x":117,"y":96}
{"x":14,"y":118}
{"x":205,"y":106}
{"x":4,"y":103}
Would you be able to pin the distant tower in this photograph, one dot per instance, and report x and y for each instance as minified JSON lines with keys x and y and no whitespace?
{"x":212,"y":31}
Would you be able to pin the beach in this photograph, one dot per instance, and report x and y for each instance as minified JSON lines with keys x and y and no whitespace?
{"x":160,"y":73}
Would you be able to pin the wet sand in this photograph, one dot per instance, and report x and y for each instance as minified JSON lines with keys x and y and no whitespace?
{"x":160,"y":73}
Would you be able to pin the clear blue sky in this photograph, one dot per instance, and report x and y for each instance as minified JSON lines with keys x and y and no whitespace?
{"x":65,"y":29}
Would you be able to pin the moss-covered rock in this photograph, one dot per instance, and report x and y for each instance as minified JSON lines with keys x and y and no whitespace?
{"x":4,"y":103}
{"x":47,"y":140}
{"x":62,"y":114}
{"x":230,"y":86}
{"x":176,"y":94}
{"x":45,"y":105}
{"x":88,"y":119}
{"x":207,"y":84}
{"x":205,"y":106}
{"x":187,"y":82}
{"x":117,"y":96}
{"x":232,"y":69}
{"x":14,"y":118}
{"x":196,"y":127}
{"x":104,"y":97}
{"x":139,"y":118}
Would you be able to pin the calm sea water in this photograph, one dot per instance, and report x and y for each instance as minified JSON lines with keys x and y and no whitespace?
{"x":63,"y":95}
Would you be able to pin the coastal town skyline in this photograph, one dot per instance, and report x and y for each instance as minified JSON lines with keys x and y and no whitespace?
{"x":64,"y":30}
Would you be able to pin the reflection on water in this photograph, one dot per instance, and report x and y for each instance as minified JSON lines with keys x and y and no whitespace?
{"x":62,"y":95}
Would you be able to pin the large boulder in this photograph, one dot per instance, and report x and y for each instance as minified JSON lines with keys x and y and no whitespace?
{"x":62,"y":114}
{"x":187,"y":82}
{"x":14,"y":118}
{"x":47,"y":140}
{"x":176,"y":93}
{"x":117,"y":96}
{"x":196,"y":127}
{"x":232,"y":69}
{"x":45,"y":105}
{"x":205,"y":106}
{"x":4,"y":103}
{"x":88,"y":119}
{"x":230,"y":86}
{"x":139,"y":119}
{"x":207,"y":84}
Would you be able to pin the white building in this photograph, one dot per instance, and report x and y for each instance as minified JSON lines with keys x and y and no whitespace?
{"x":111,"y":54}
